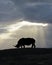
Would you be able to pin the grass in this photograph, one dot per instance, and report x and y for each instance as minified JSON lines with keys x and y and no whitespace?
{"x":26,"y":56}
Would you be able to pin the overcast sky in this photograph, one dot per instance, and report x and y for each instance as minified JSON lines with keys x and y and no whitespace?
{"x":13,"y":12}
{"x":30,"y":10}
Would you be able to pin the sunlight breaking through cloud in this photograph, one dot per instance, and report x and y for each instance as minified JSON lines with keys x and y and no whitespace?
{"x":23,"y":23}
{"x":14,"y":27}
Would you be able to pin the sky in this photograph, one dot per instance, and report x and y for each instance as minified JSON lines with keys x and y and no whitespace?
{"x":25,"y":18}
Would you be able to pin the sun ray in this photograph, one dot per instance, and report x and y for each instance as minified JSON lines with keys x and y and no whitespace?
{"x":12,"y":28}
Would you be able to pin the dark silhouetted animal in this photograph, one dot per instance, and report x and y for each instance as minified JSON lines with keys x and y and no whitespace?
{"x":25,"y":41}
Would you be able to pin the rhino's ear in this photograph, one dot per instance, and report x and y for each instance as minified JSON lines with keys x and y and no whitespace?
{"x":23,"y":38}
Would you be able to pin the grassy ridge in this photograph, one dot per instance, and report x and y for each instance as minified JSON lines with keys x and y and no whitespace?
{"x":27,"y":56}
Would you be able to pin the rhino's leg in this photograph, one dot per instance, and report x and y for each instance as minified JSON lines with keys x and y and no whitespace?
{"x":24,"y":46}
{"x":33,"y":45}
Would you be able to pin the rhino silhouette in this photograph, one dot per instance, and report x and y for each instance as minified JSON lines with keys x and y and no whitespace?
{"x":25,"y":41}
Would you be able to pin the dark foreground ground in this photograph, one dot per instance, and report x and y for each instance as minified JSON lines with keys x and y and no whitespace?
{"x":28,"y":56}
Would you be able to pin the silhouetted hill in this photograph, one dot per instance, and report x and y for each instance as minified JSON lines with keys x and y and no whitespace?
{"x":26,"y":56}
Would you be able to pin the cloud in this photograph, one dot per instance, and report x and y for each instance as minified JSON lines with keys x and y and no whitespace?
{"x":39,"y":13}
{"x":32,"y":10}
{"x":28,"y":10}
{"x":8,"y":10}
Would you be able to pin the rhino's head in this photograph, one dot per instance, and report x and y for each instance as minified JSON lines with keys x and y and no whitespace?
{"x":17,"y":46}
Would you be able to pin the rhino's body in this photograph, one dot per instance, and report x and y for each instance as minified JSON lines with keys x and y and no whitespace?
{"x":25,"y":41}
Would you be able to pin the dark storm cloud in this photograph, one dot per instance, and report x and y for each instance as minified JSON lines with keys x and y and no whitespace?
{"x":30,"y":10}
{"x":36,"y":10}
{"x":8,"y":11}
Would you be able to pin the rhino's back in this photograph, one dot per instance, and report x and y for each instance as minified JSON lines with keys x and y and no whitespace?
{"x":26,"y":41}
